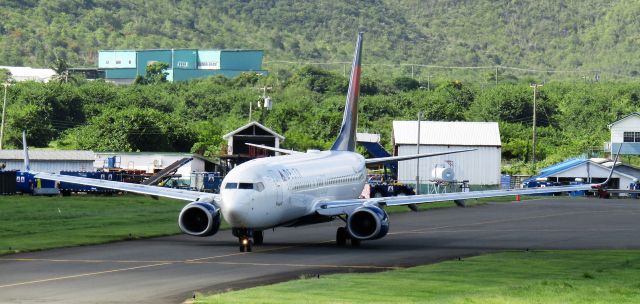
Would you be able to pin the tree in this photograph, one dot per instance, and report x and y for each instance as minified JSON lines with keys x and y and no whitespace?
{"x":155,"y":73}
{"x":405,"y":84}
{"x":61,"y":67}
{"x":131,"y":129}
{"x":5,"y":75}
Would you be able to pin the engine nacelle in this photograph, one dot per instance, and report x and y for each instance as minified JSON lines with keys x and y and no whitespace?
{"x":199,"y":219}
{"x":368,"y":223}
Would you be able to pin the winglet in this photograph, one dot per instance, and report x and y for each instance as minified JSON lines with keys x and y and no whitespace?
{"x":25,"y":149}
{"x":346,"y":140}
{"x":613,"y":167}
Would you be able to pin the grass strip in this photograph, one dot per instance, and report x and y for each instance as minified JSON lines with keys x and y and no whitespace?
{"x":510,"y":277}
{"x":29,"y":223}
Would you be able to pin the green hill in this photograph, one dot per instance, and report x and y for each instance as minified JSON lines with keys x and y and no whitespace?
{"x":549,"y":35}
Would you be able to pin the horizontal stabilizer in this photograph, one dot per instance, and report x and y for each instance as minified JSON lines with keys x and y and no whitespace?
{"x":381,"y":160}
{"x":285,"y":151}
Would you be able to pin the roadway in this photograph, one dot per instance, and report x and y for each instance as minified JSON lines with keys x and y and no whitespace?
{"x":170,"y":269}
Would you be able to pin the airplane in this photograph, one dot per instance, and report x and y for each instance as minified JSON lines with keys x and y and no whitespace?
{"x":300,"y":188}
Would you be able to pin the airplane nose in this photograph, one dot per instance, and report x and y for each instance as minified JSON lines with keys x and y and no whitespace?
{"x":236,"y":210}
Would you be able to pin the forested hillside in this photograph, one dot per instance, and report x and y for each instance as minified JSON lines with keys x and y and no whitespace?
{"x":541,"y":34}
{"x":572,"y":117}
{"x":594,"y":37}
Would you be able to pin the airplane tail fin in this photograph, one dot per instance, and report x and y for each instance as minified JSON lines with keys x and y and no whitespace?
{"x":25,"y":149}
{"x":346,"y":140}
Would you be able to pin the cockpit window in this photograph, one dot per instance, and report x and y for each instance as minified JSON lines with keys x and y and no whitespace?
{"x":246,"y":186}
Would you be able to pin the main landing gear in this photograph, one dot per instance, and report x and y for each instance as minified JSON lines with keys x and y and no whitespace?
{"x":247,"y":237}
{"x":342,"y":235}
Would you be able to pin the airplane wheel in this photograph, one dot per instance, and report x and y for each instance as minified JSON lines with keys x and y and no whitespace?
{"x":258,"y":237}
{"x":249,"y":247}
{"x":341,"y":236}
{"x":241,"y":248}
{"x":355,"y":242}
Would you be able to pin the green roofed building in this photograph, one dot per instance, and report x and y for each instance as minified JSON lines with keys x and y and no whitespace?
{"x":123,"y":66}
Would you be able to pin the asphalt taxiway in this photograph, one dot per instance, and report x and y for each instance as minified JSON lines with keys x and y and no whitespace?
{"x":170,"y":269}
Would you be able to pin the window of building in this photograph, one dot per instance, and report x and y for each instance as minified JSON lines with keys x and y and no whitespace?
{"x":208,"y":63}
{"x":631,"y":137}
{"x":182,"y":64}
{"x":107,"y":62}
{"x":118,"y":61}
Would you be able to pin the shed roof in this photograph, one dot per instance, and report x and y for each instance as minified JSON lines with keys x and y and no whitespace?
{"x":634,"y":114}
{"x":253,"y":123}
{"x":48,"y":155}
{"x":449,"y":133}
{"x":572,"y":163}
{"x":29,"y":73}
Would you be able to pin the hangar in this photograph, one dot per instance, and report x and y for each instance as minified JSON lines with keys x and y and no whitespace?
{"x":51,"y":161}
{"x":595,"y":170}
{"x":479,"y":167}
{"x":254,"y":132}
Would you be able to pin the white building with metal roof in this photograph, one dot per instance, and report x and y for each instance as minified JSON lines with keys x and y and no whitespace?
{"x":52,"y":161}
{"x":479,"y":167}
{"x":30,"y":74}
{"x":151,"y":162}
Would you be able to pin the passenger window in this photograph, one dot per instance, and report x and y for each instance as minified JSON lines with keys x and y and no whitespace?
{"x":231,"y":186}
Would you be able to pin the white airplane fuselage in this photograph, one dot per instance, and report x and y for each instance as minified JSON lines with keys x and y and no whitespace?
{"x":267,"y":192}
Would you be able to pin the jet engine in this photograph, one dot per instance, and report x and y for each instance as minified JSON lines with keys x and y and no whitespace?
{"x":368,"y":223}
{"x":199,"y":219}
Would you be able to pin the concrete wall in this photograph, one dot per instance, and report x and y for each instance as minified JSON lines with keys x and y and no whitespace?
{"x":480,"y":167}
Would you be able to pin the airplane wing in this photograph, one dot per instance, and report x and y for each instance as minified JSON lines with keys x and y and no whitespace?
{"x":380,"y":160}
{"x":180,"y":194}
{"x":285,"y":151}
{"x":339,"y":207}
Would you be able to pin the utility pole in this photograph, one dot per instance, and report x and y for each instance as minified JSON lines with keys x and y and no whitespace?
{"x":4,"y":106}
{"x":418,"y":152}
{"x":535,"y":87}
{"x":266,"y":102}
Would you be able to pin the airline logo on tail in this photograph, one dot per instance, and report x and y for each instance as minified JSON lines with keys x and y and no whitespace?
{"x":346,"y":140}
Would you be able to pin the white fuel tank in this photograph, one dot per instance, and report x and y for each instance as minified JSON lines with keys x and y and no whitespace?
{"x":442,"y":174}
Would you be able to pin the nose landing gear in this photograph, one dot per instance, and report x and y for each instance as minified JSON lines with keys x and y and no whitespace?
{"x":245,"y":244}
{"x":245,"y":237}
